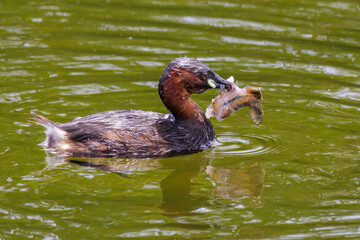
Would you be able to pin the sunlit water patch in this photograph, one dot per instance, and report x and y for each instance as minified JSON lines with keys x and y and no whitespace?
{"x":344,"y":93}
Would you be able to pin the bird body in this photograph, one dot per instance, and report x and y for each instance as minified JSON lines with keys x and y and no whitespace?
{"x":143,"y":134}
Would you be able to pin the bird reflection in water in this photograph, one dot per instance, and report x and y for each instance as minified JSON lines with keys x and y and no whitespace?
{"x":177,"y":187}
{"x":232,"y":183}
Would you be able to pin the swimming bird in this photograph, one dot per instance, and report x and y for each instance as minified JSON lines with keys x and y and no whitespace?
{"x":143,"y":134}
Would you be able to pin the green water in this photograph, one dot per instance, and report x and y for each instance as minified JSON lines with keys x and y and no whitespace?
{"x":296,"y":176}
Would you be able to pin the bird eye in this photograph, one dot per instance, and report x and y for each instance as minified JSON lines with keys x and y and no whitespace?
{"x":204,"y":76}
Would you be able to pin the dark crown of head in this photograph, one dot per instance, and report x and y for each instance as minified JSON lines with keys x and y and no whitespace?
{"x":189,"y":64}
{"x":186,"y":63}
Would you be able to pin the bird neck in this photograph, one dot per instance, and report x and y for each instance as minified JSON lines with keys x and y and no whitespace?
{"x":177,"y":99}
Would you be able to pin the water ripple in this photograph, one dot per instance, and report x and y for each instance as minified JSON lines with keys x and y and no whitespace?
{"x":302,"y":67}
{"x":110,"y":27}
{"x":14,"y":96}
{"x":248,"y":41}
{"x":100,"y":57}
{"x":223,"y":22}
{"x":154,"y":50}
{"x":6,"y":150}
{"x":93,"y":66}
{"x":344,"y":93}
{"x":87,"y":89}
{"x":248,"y":145}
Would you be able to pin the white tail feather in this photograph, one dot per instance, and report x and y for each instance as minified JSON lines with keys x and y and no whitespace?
{"x":55,"y":137}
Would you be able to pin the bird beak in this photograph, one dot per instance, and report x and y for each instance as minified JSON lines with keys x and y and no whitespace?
{"x":218,"y":82}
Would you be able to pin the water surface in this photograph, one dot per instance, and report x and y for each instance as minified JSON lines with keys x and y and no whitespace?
{"x":294,"y":177}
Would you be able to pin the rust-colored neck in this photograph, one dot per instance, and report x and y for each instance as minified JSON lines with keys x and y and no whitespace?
{"x":175,"y":96}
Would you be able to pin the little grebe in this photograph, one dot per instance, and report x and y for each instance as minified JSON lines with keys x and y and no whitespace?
{"x":140,"y":134}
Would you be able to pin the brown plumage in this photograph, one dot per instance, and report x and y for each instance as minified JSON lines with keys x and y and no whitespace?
{"x":139,"y":134}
